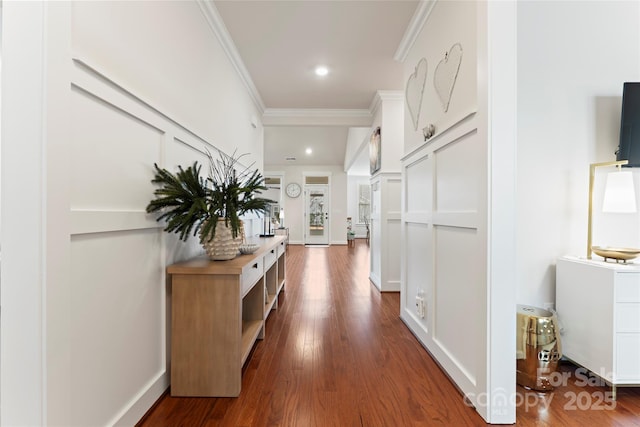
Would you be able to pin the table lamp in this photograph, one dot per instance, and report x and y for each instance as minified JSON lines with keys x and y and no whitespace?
{"x":619,"y":194}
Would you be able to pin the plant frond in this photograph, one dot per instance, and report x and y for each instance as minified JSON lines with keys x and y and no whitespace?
{"x":181,"y":199}
{"x":188,"y":203}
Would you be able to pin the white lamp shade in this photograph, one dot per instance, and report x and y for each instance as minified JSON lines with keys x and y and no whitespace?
{"x":619,"y":193}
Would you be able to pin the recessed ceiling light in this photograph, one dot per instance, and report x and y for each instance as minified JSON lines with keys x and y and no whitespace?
{"x":321,"y":71}
{"x":308,"y":151}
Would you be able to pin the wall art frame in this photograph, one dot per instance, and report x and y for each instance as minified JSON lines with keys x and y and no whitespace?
{"x":375,"y":153}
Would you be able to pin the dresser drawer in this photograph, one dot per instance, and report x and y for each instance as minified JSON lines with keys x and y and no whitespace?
{"x":250,"y":274}
{"x":628,"y":357}
{"x":281,"y":248}
{"x":628,"y":317}
{"x":270,"y":258}
{"x":627,"y":287}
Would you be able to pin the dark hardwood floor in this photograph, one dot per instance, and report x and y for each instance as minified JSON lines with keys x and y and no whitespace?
{"x":337,"y":354}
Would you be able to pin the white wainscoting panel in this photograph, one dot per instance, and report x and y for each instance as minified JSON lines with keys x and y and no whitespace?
{"x":386,"y":199}
{"x":177,"y":250}
{"x":97,"y":98}
{"x":458,"y":165}
{"x":457,"y":296}
{"x":419,"y":176}
{"x":184,"y":154}
{"x":418,"y":275}
{"x":393,"y":202}
{"x":117,"y":321}
{"x":112,"y":153}
{"x":100,"y":221}
{"x":119,"y":314}
{"x":392,"y":257}
{"x":442,"y":251}
{"x":375,"y":240}
{"x":393,"y":197}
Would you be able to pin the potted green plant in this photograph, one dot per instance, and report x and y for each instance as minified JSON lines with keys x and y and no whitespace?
{"x":211,"y":207}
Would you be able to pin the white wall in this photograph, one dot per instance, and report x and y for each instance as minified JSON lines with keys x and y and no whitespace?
{"x":385,"y":193}
{"x":385,"y":258}
{"x":390,"y":118}
{"x":357,"y":141}
{"x":294,"y":208}
{"x":184,"y":72}
{"x":458,"y":214}
{"x":569,"y":82}
{"x":353,"y":201}
{"x":23,"y":239}
{"x":570,"y":79}
{"x":434,"y":41}
{"x":94,"y":107}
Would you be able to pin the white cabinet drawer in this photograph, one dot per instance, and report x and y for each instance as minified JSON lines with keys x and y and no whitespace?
{"x":270,"y":258}
{"x":281,"y":248}
{"x":627,"y":357}
{"x":628,"y":317}
{"x":627,"y":287}
{"x":250,"y":274}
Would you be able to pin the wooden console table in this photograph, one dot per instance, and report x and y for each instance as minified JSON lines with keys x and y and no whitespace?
{"x":218,"y":310}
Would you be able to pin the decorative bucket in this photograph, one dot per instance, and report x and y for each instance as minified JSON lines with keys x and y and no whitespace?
{"x":538,"y":347}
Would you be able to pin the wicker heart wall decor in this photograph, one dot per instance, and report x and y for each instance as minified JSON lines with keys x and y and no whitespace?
{"x":415,"y":91}
{"x":446,"y":73}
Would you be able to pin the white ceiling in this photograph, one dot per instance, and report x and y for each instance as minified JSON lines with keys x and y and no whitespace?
{"x":326,"y":142}
{"x":281,"y":42}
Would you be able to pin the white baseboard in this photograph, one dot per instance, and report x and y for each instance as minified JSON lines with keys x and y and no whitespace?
{"x":375,"y":280}
{"x":132,"y":413}
{"x":391,"y":286}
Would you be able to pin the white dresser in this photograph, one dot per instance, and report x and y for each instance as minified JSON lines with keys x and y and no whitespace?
{"x":598,"y":306}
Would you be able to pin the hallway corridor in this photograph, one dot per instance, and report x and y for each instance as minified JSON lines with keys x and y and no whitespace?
{"x":337,"y":354}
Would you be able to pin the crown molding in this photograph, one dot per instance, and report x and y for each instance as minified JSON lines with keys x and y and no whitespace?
{"x":418,"y":20}
{"x":384,"y":95}
{"x":220,"y":30}
{"x":390,"y":95}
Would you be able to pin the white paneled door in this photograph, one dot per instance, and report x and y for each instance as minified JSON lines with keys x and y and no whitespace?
{"x":316,"y":215}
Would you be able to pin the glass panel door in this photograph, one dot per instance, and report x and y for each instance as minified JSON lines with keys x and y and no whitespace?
{"x":317,"y":215}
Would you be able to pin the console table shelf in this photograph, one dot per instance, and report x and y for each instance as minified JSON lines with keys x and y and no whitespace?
{"x":218,"y":312}
{"x":271,"y":287}
{"x":250,"y":332}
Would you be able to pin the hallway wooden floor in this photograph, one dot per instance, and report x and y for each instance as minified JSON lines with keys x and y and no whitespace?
{"x":337,"y":354}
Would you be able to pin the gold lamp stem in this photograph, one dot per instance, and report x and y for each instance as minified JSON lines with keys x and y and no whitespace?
{"x":592,"y":175}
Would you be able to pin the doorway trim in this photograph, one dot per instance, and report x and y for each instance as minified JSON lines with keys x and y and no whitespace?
{"x":307,"y":187}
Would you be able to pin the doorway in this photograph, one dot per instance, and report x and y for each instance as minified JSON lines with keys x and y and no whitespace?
{"x":316,"y":215}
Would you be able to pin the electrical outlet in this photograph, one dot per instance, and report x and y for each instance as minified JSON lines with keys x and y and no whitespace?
{"x":421,"y":307}
{"x":421,"y":304}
